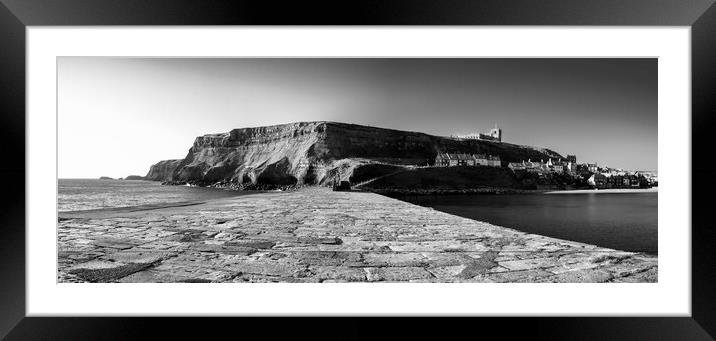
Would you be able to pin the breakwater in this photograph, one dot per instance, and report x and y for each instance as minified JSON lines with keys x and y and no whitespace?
{"x":317,"y":235}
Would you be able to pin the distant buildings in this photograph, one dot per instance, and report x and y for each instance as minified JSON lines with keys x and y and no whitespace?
{"x":595,"y":176}
{"x":494,"y":135}
{"x":461,"y":159}
{"x":537,"y":167}
{"x":609,"y":180}
{"x":494,"y":161}
{"x":571,"y":167}
{"x":443,"y":160}
{"x":481,"y":160}
{"x":551,"y":166}
{"x":556,"y":166}
{"x":516,"y":166}
{"x":620,"y":179}
{"x":597,"y":180}
{"x":650,"y":177}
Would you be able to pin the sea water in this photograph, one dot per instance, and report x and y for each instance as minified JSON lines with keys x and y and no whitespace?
{"x":623,"y":221}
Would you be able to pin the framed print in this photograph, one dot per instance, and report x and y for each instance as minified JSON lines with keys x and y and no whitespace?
{"x":498,"y":163}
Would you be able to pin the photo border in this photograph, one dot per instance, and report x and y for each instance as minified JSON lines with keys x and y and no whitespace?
{"x":15,"y":15}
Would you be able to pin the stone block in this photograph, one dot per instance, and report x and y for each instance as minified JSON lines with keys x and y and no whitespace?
{"x":145,"y":256}
{"x":582,"y":276}
{"x":340,"y":273}
{"x":107,"y":274}
{"x":373,"y":259}
{"x":252,"y":243}
{"x":320,"y":240}
{"x":397,"y":274}
{"x":267,"y":268}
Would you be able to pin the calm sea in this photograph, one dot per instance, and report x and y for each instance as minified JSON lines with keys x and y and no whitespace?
{"x":623,"y":221}
{"x":87,"y":194}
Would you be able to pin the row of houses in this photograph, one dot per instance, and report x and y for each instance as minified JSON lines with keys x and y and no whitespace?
{"x":557,"y":166}
{"x":461,"y":159}
{"x":601,"y":177}
{"x":599,"y":180}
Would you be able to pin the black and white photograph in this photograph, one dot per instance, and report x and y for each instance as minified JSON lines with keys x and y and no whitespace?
{"x":193,"y":169}
{"x":333,"y":170}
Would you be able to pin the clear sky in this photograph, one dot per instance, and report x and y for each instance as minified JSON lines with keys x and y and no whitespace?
{"x":117,"y":116}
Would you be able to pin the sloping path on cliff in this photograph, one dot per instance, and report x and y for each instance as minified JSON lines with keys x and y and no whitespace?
{"x":358,"y":185}
{"x":317,"y":235}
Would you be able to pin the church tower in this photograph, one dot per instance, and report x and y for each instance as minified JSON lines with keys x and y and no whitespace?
{"x":496,"y":133}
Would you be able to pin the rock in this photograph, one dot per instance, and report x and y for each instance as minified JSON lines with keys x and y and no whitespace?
{"x":479,"y":266}
{"x":96,"y":265}
{"x":447,"y":272}
{"x":163,"y":170}
{"x":115,"y":243}
{"x":227,"y":236}
{"x":650,"y":275}
{"x":134,"y":177}
{"x":107,"y":274}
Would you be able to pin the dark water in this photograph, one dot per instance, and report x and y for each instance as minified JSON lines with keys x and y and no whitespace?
{"x":624,"y":221}
{"x":86,"y":194}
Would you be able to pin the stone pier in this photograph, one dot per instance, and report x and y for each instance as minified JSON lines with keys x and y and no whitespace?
{"x":317,"y":235}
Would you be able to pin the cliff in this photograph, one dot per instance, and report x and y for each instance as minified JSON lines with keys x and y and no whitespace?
{"x":163,"y":170}
{"x":317,"y":153}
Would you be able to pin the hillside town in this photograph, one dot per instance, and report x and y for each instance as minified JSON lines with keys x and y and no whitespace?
{"x":596,"y":176}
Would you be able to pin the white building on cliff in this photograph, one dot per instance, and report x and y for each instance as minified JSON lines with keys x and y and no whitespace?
{"x":494,"y":135}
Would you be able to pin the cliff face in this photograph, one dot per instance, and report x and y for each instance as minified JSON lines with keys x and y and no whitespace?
{"x":162,"y":170}
{"x":315,"y":153}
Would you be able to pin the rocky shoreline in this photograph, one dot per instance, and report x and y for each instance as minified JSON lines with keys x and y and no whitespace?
{"x":390,"y":192}
{"x":237,"y":187}
{"x":317,"y":235}
{"x":387,"y":191}
{"x":400,"y":191}
{"x":397,"y":192}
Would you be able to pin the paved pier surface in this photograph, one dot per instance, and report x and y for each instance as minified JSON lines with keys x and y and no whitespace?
{"x":317,"y":235}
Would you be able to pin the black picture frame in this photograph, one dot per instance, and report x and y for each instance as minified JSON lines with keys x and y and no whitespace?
{"x":16,"y":15}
